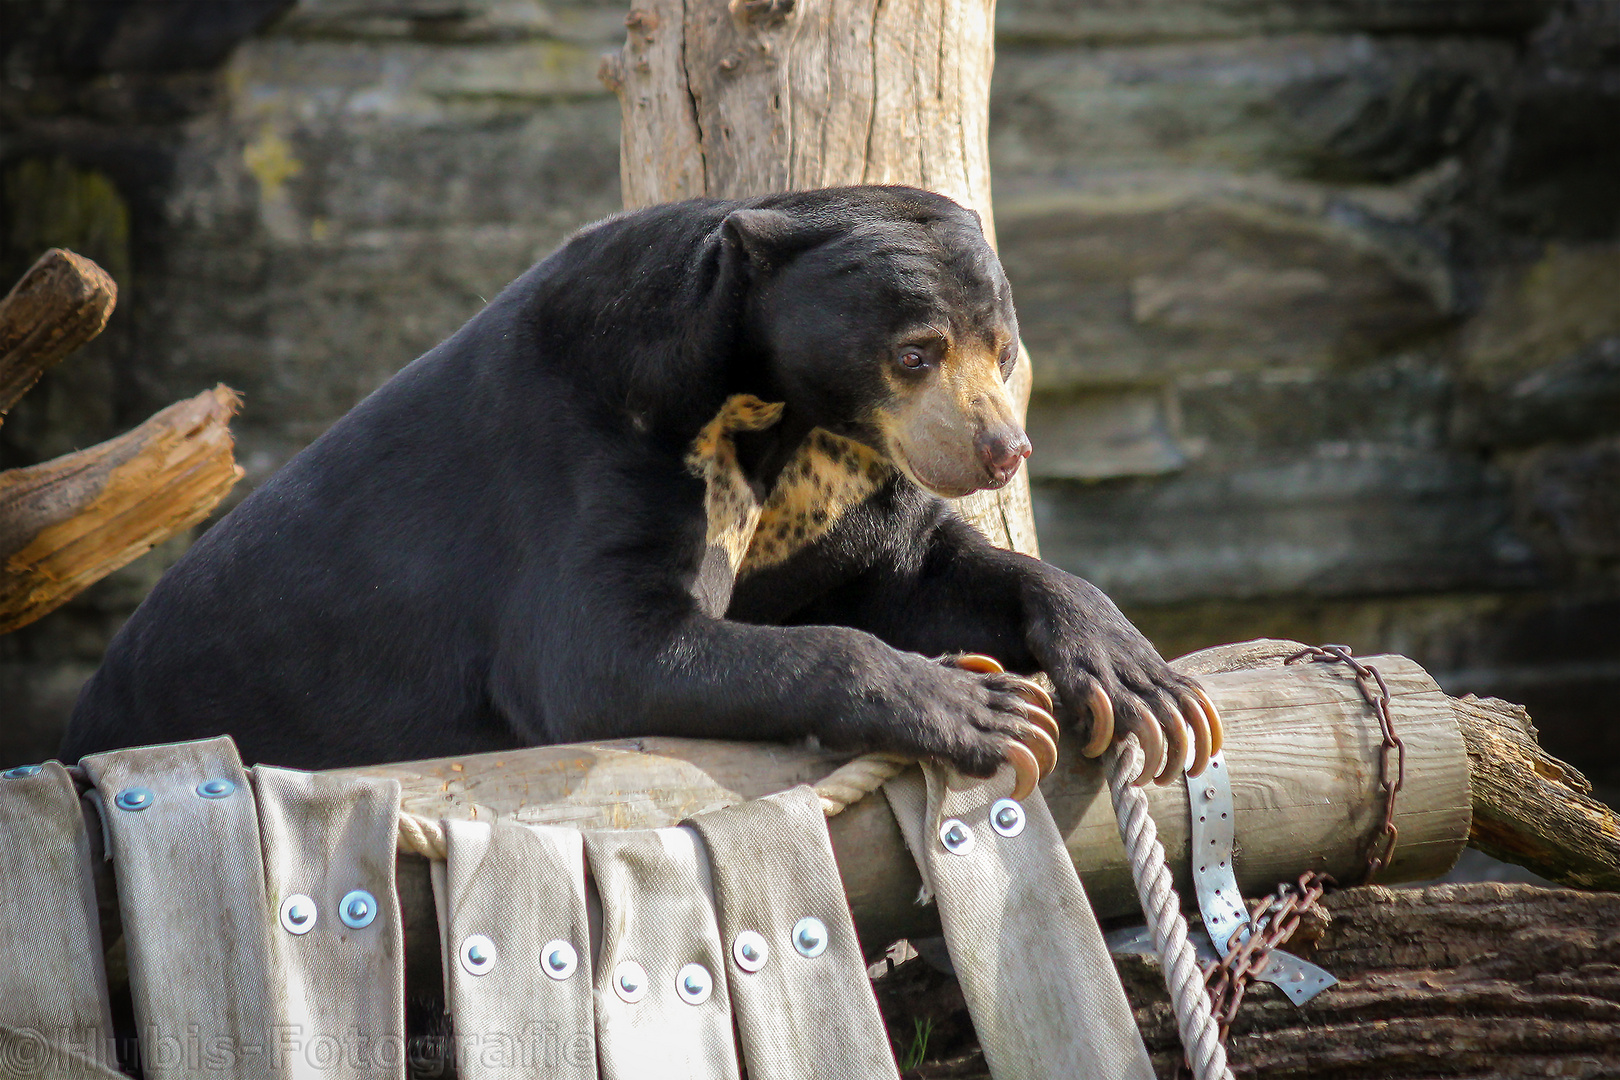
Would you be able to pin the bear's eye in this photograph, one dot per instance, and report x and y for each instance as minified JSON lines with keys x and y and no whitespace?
{"x":912,"y":358}
{"x":1009,"y":357}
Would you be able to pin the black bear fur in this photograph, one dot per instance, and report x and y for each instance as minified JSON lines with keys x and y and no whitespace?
{"x":507,"y":544}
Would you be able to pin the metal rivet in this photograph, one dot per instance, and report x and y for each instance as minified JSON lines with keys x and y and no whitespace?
{"x":1209,"y":793}
{"x":694,"y":984}
{"x":810,"y":936}
{"x":217,"y":788}
{"x":750,"y":951}
{"x":630,"y":981}
{"x":298,"y":914}
{"x":1007,"y":817}
{"x":956,"y":836}
{"x":21,"y":772}
{"x":357,"y":909}
{"x":477,"y":954}
{"x":135,"y":798}
{"x":559,"y":959}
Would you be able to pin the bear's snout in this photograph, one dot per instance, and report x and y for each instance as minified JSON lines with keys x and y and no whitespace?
{"x":1001,"y":451}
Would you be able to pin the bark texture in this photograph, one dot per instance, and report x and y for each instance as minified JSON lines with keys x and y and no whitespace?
{"x":62,"y":302}
{"x":70,"y":521}
{"x":756,"y":96}
{"x":1481,"y":980}
{"x":1529,"y":807}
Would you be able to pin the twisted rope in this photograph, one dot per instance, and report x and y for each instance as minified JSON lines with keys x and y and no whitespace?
{"x":838,"y":790}
{"x":1200,"y":1035}
{"x":853,"y":781}
{"x":422,"y":836}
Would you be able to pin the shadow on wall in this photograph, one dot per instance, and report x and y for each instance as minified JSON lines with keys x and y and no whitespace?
{"x":1321,"y":294}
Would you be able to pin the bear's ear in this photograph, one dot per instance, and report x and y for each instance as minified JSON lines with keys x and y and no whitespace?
{"x":766,"y":237}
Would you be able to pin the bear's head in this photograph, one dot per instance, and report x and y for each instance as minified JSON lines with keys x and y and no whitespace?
{"x":883,"y":315}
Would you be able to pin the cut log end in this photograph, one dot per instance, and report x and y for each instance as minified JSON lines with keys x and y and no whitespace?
{"x":62,"y":302}
{"x":69,"y":522}
{"x":1530,"y":808}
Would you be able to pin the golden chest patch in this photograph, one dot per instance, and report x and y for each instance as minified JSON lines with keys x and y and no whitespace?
{"x":729,"y":502}
{"x":826,"y":476}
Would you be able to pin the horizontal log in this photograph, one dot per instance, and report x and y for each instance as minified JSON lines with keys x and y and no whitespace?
{"x":1482,"y":980}
{"x":1302,"y":751}
{"x":70,"y":521}
{"x":62,"y":302}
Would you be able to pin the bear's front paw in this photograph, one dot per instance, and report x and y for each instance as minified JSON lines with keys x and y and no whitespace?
{"x":1113,"y":683}
{"x":978,"y":717}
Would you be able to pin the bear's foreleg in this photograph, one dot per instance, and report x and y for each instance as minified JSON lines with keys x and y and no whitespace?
{"x":956,"y":592}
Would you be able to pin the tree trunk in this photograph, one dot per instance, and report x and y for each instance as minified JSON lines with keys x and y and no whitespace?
{"x":761,"y":96}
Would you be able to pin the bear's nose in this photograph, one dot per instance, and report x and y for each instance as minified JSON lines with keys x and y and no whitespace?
{"x":1001,"y":451}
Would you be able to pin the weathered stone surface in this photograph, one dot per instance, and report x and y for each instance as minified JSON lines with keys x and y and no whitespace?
{"x":1538,"y":313}
{"x":1104,"y":434}
{"x":1362,"y":519}
{"x":1572,"y":494}
{"x":1574,"y":398}
{"x":1063,"y":21}
{"x":1184,"y":278}
{"x":1340,"y":107}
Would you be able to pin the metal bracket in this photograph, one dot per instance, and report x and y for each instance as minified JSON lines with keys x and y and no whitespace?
{"x":1209,"y":798}
{"x":1300,"y":979}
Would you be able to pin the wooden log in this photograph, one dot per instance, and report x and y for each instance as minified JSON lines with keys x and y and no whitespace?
{"x":1479,"y":980}
{"x":62,"y":302}
{"x":1302,"y":750}
{"x":68,"y":522}
{"x":1532,"y":809}
{"x":748,"y":97}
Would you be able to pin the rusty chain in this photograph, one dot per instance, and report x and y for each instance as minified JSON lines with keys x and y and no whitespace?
{"x":1272,"y":921}
{"x":1382,"y":848}
{"x":1274,"y":918}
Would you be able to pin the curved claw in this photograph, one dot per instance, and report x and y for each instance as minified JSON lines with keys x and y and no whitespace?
{"x":1102,"y":723}
{"x":1022,"y":759}
{"x":1043,"y":720}
{"x":1217,"y":734}
{"x":1192,"y":711}
{"x":1176,"y":733}
{"x":1032,"y":692}
{"x":980,"y":663}
{"x":1043,"y":746}
{"x":1139,"y":721}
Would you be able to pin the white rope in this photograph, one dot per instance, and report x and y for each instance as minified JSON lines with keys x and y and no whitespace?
{"x":1161,"y":905}
{"x":851,"y":782}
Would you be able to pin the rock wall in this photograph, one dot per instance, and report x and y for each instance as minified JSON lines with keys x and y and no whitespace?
{"x":1324,"y":295}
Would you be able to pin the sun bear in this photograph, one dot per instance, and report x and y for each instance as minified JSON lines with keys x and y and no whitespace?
{"x":686,"y":476}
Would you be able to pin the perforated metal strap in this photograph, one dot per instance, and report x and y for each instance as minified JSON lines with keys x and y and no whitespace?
{"x":54,"y":1019}
{"x":1214,"y":839}
{"x":519,"y":951}
{"x":191,"y":894}
{"x":330,"y":842}
{"x":1043,"y":993}
{"x":658,"y":921}
{"x":804,"y":1005}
